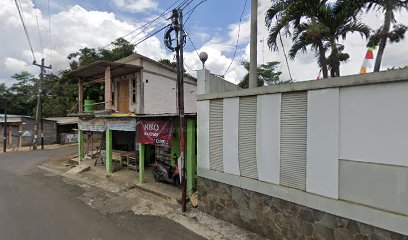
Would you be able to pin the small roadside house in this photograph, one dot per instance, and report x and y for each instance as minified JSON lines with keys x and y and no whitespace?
{"x":67,"y":128}
{"x":20,"y":130}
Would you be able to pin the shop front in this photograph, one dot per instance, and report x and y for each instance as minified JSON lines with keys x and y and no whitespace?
{"x":159,"y":135}
{"x":149,"y":144}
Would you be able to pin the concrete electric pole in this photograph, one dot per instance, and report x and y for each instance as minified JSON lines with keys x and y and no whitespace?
{"x":253,"y":65}
{"x":38,"y":111}
{"x":179,"y":39}
{"x":5,"y":128}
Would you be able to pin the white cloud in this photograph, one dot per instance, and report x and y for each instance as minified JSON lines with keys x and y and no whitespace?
{"x":75,"y":27}
{"x":304,"y":66}
{"x":136,"y":5}
{"x":15,"y":65}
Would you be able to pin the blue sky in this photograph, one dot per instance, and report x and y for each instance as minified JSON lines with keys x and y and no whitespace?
{"x":211,"y":17}
{"x":213,"y":27}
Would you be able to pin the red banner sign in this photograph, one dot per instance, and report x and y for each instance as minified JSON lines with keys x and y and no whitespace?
{"x":157,"y":132}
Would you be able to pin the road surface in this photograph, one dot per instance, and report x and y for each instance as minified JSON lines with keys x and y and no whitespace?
{"x":35,"y":206}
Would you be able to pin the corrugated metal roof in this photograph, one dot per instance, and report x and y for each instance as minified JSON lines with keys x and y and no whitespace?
{"x":166,"y":115}
{"x":64,"y":120}
{"x":18,"y":118}
{"x":145,"y":115}
{"x":97,"y":70}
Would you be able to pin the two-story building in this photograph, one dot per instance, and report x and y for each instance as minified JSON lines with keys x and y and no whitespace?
{"x":136,"y":89}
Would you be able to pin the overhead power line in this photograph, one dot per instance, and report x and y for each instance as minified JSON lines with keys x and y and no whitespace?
{"x":50,"y":29}
{"x":145,"y":26}
{"x":186,"y":3}
{"x":182,"y":5}
{"x":192,"y":10}
{"x":39,"y":33}
{"x":286,"y":57}
{"x":191,"y":41}
{"x":237,"y":43}
{"x":150,"y":35}
{"x":284,"y":53}
{"x":24,"y":27}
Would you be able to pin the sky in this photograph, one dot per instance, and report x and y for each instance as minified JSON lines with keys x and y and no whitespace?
{"x":212,"y":27}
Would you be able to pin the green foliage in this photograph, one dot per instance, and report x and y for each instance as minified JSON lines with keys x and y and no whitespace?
{"x":84,"y":56}
{"x":21,"y":96}
{"x":121,"y":48}
{"x":169,"y":63}
{"x":267,"y":75}
{"x":288,"y":17}
{"x":317,"y":25}
{"x":4,"y":96}
{"x":59,"y":96}
{"x":60,"y":91}
{"x":172,"y":64}
{"x":390,"y":31}
{"x":396,"y":35}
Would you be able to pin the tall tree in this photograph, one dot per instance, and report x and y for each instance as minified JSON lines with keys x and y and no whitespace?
{"x":267,"y":75}
{"x":4,"y":95}
{"x":333,"y":22}
{"x":23,"y":94}
{"x":169,"y":63}
{"x":384,"y":33}
{"x":121,"y":48}
{"x":84,"y":56}
{"x":60,"y":91}
{"x":288,"y":15}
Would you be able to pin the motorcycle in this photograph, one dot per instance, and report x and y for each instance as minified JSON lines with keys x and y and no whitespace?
{"x":164,"y":172}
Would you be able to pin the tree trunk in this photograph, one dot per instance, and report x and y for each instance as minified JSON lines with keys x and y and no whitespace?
{"x":383,"y":41}
{"x":322,"y":55}
{"x":322,"y":59}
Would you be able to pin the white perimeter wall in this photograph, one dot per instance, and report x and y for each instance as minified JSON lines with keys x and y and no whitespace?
{"x":366,"y":125}
{"x":230,"y":135}
{"x":268,"y":137}
{"x":374,"y":123}
{"x":323,"y":142}
{"x":203,"y":134}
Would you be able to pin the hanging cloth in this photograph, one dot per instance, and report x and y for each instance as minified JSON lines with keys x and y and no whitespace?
{"x":368,"y":59}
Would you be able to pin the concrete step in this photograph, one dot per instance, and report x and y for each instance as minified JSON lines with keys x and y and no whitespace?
{"x":79,"y":168}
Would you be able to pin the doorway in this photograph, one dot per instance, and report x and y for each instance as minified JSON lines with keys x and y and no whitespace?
{"x":123,"y":96}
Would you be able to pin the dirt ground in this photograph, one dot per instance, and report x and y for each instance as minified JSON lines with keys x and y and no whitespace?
{"x":134,"y":207}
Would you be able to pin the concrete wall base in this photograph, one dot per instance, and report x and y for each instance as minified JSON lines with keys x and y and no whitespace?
{"x":275,"y":218}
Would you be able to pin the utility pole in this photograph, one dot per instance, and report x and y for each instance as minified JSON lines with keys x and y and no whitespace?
{"x":253,"y":66}
{"x":179,"y":39}
{"x":263,"y":50}
{"x":181,"y":115}
{"x":38,"y":112}
{"x":5,"y":128}
{"x":42,"y":124}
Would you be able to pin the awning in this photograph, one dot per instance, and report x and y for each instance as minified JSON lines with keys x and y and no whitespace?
{"x":97,"y":69}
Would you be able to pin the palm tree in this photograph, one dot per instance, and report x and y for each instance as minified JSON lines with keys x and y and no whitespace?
{"x":383,"y":34}
{"x":332,"y":22}
{"x":339,"y":20}
{"x":290,"y":14}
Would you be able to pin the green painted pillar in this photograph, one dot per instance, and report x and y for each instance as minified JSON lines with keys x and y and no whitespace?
{"x":80,"y":145}
{"x":142,"y":148}
{"x":108,"y":151}
{"x":191,"y":165}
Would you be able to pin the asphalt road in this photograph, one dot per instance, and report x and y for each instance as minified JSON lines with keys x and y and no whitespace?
{"x":34,"y":206}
